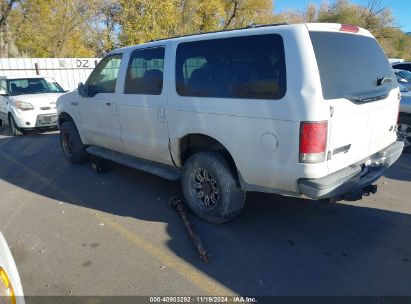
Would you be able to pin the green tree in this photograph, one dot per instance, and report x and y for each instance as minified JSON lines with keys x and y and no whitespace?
{"x":204,"y":16}
{"x":240,"y":13}
{"x":145,"y":20}
{"x":53,"y":28}
{"x":7,"y":46}
{"x":74,"y":28}
{"x":104,"y":27}
{"x":375,"y":17}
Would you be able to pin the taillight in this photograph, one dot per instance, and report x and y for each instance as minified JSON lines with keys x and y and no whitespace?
{"x":313,"y":141}
{"x":349,"y":28}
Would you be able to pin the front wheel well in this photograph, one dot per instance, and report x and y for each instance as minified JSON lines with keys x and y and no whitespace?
{"x":63,"y":117}
{"x":194,"y":143}
{"x":9,"y":116}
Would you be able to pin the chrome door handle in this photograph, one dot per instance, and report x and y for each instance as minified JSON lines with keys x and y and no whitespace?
{"x":161,"y":112}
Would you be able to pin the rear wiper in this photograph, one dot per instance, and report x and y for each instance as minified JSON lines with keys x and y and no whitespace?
{"x":382,"y":80}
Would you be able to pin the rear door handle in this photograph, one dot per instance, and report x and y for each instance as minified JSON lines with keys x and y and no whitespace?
{"x":108,"y":103}
{"x":161,"y":114}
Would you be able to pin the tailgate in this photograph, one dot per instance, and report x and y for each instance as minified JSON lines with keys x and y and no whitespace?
{"x":360,"y":88}
{"x":360,"y":130}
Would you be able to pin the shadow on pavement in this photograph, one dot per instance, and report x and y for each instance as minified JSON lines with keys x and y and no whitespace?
{"x":402,"y":169}
{"x":276,"y":246}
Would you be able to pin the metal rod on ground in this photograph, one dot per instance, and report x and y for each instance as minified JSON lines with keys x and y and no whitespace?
{"x":178,"y":205}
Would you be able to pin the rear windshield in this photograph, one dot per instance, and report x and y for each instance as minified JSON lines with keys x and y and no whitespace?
{"x":352,"y":66}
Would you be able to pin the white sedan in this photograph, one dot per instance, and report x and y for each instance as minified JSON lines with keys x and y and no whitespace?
{"x":10,"y":285}
{"x":29,"y":103}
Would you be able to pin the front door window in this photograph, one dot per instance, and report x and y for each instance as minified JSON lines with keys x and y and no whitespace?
{"x":104,"y":77}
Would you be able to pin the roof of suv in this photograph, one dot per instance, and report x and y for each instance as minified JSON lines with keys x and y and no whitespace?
{"x":331,"y":27}
{"x":403,"y":62}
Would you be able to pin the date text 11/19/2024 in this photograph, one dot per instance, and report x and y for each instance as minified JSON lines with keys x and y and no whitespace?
{"x":203,"y":299}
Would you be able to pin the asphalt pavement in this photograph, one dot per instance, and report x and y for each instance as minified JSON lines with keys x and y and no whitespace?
{"x":75,"y":232}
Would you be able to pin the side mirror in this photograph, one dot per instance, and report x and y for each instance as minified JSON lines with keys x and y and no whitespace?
{"x":82,"y":90}
{"x":3,"y":92}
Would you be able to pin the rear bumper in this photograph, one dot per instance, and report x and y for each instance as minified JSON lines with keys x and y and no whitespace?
{"x":351,"y":182}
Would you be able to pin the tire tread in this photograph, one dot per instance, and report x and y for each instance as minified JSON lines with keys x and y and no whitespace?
{"x":233,"y":197}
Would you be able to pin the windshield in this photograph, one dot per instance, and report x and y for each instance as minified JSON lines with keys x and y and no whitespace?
{"x":352,"y":66}
{"x":406,"y":75}
{"x":33,"y":86}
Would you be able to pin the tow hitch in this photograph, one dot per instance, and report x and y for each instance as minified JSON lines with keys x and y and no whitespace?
{"x":356,"y":195}
{"x":371,"y":189}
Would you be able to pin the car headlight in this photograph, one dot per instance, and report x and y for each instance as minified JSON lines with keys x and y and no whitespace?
{"x":6,"y":290}
{"x":24,"y":106}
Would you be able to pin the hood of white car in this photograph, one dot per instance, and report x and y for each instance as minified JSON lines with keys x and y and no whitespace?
{"x":39,"y":100}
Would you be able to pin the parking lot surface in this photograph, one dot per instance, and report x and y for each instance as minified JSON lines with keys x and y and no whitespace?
{"x":75,"y":232}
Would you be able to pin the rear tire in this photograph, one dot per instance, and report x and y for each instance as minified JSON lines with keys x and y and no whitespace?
{"x":210,"y":188}
{"x":404,"y":132}
{"x":71,"y":143}
{"x":14,"y":129}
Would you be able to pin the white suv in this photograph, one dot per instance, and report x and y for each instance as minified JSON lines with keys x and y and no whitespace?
{"x":28,"y":103}
{"x":307,"y":110}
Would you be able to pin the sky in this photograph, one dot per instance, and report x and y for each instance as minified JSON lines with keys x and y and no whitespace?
{"x":401,"y":9}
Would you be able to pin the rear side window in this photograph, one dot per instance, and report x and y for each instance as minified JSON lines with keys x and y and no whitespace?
{"x":350,"y":66}
{"x":251,"y":67}
{"x":145,"y":72}
{"x":402,"y":66}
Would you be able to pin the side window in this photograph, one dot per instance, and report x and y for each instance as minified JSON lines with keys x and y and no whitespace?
{"x":145,"y":72}
{"x":3,"y":87}
{"x":251,"y":67}
{"x":104,"y":77}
